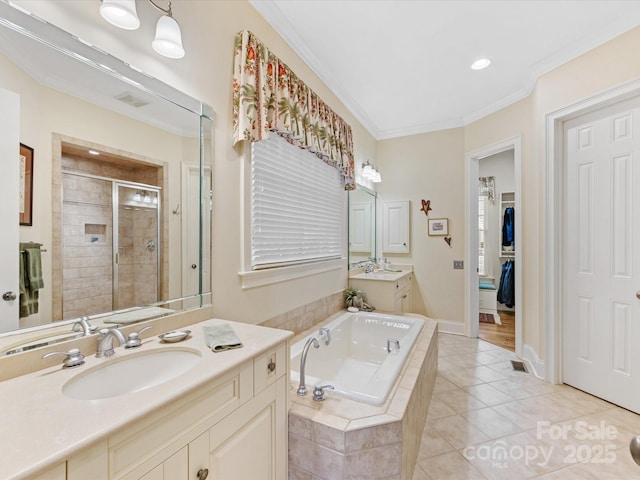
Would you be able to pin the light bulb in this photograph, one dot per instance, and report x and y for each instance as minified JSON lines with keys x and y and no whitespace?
{"x":137,"y":197}
{"x":168,"y":40}
{"x":121,"y":13}
{"x":376,"y":178}
{"x":367,"y":171}
{"x":147,"y":198}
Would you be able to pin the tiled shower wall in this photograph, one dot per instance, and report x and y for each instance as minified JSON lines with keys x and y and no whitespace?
{"x":87,"y":246}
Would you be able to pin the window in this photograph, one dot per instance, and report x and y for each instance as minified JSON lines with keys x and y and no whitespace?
{"x":482,"y":236}
{"x":297,"y":203}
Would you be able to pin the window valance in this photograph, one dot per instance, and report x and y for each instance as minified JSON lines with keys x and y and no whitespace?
{"x":269,"y":97}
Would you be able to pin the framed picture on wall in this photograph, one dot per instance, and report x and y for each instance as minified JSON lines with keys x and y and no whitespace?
{"x":438,"y":226}
{"x":26,"y":185}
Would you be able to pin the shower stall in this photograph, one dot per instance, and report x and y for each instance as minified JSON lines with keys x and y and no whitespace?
{"x":110,"y":244}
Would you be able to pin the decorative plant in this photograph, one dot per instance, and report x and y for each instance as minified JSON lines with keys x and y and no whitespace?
{"x":349,"y":295}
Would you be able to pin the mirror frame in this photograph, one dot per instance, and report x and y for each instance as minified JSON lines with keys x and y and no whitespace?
{"x":63,"y":42}
{"x":374,"y":225}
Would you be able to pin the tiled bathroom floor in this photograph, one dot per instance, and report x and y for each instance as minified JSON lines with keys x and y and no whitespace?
{"x":487,"y":421}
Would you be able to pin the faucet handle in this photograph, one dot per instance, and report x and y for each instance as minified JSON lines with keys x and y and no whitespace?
{"x":133,"y":340}
{"x":318,"y":392}
{"x":73,"y":357}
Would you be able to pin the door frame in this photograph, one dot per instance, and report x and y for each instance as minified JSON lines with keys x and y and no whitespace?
{"x":472,"y":173}
{"x":553,"y":194}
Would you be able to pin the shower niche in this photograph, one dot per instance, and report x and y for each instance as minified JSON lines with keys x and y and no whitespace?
{"x":111,"y":234}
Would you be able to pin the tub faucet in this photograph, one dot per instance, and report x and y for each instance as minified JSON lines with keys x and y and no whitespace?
{"x":327,"y":333}
{"x":84,"y":325}
{"x":105,"y":341}
{"x":302,"y":389}
{"x":392,"y":341}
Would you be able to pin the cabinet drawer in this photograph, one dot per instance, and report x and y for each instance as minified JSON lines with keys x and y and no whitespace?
{"x":487,"y":299}
{"x":144,"y":444}
{"x":269,"y":366}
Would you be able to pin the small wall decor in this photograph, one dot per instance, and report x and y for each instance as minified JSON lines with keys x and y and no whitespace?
{"x":26,"y":185}
{"x":448,"y":240}
{"x":438,"y":226}
{"x":426,"y":206}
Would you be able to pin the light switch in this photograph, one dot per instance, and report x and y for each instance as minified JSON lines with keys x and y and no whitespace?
{"x":458,"y":264}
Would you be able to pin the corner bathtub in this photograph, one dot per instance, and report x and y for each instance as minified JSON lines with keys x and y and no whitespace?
{"x":356,"y":361}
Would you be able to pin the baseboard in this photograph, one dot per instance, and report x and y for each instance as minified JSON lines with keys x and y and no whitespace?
{"x":447,"y":326}
{"x":533,"y":361}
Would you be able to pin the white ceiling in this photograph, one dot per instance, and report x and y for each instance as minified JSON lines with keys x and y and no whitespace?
{"x":402,"y":67}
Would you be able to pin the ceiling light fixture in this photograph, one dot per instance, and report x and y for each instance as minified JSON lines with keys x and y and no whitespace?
{"x":480,"y":64}
{"x":123,"y":14}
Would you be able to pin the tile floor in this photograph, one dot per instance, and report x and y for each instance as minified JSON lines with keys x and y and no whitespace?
{"x":487,"y":421}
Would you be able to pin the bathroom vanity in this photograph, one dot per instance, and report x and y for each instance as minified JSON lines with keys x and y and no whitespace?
{"x":225,"y":417}
{"x":387,"y":291}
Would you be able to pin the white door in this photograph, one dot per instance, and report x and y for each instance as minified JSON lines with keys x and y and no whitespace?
{"x":9,"y":159}
{"x":395,"y":227}
{"x":601,"y":251}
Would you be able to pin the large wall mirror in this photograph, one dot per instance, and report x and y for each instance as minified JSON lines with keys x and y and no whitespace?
{"x":362,"y":225}
{"x":118,"y":174}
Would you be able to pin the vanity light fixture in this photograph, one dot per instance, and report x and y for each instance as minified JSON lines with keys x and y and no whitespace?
{"x":138,"y":196}
{"x":123,"y":14}
{"x":480,"y":64}
{"x":147,"y":198}
{"x":371,"y":173}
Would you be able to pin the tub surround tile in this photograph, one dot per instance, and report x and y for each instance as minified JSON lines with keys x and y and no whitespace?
{"x":380,"y":442}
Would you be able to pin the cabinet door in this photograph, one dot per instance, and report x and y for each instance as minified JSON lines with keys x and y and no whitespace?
{"x":395,"y":227}
{"x":251,"y":442}
{"x":176,"y":467}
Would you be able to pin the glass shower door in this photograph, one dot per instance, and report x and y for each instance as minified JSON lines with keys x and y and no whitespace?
{"x":136,"y":243}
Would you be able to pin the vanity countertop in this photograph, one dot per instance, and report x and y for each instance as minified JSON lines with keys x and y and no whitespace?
{"x":42,"y":427}
{"x":380,"y":275}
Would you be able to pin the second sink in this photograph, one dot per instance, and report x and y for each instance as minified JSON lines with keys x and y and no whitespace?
{"x":131,"y":373}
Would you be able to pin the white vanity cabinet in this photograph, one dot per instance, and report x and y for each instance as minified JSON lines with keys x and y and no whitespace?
{"x":235,"y":427}
{"x":387,"y":292}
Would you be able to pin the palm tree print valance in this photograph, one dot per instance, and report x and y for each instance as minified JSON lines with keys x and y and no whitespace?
{"x":269,"y":97}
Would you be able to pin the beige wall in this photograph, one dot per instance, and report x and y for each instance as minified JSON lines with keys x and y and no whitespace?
{"x":429,"y":167}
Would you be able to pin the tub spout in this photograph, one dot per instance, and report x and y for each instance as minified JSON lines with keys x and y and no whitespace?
{"x":302,"y":389}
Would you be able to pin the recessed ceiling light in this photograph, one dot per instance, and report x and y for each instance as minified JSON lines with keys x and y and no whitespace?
{"x":94,"y":152}
{"x":480,"y":64}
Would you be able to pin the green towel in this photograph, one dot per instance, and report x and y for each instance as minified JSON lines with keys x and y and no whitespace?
{"x":221,"y":337}
{"x":33,"y":266}
{"x":30,"y":278}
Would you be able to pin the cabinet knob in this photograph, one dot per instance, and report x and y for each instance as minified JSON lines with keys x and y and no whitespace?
{"x":203,"y":473}
{"x":271,"y":366}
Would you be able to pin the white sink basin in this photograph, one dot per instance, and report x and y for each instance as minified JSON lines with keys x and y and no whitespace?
{"x":131,"y":373}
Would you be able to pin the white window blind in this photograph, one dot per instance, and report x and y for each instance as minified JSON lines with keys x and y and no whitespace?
{"x":296,"y":206}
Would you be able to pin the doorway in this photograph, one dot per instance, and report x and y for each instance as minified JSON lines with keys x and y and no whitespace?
{"x":555,"y":308}
{"x":496,"y":249}
{"x":601,"y":261}
{"x":512,"y":148}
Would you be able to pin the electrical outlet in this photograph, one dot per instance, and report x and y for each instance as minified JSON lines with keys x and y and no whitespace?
{"x":458,"y":264}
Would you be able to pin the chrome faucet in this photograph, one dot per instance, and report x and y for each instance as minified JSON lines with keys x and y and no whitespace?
{"x":302,"y":389}
{"x":327,"y":334}
{"x":369,"y":267}
{"x":105,"y":341}
{"x":83,"y":323}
